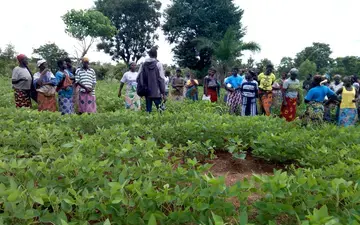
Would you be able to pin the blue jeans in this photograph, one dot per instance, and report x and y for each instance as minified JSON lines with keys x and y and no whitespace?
{"x":149,"y":103}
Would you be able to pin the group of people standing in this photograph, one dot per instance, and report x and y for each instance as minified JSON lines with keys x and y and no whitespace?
{"x":248,"y":94}
{"x":75,"y":88}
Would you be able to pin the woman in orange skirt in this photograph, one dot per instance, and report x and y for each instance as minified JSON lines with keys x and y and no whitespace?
{"x":45,"y":83}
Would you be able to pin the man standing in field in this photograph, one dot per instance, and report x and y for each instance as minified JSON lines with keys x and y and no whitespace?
{"x":151,"y":81}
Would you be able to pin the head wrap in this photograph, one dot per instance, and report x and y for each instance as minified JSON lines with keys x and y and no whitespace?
{"x":294,"y":71}
{"x":130,"y":64}
{"x":21,"y":57}
{"x":40,"y":62}
{"x":85,"y":59}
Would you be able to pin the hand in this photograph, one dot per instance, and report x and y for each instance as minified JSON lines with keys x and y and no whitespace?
{"x":298,"y":102}
{"x":119,"y":94}
{"x":354,"y":101}
{"x":231,"y":89}
{"x":164,"y":98}
{"x":284,"y":102}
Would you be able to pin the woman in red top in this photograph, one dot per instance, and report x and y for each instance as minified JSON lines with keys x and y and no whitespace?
{"x":211,"y":85}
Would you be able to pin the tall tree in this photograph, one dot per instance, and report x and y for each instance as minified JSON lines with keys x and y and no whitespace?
{"x":349,"y":65}
{"x":86,"y":26}
{"x":306,"y":68}
{"x":286,"y":64}
{"x":9,"y":53}
{"x":136,"y":22}
{"x":262,"y":64}
{"x":51,"y":53}
{"x":227,"y":50}
{"x":319,"y":53}
{"x":187,"y":20}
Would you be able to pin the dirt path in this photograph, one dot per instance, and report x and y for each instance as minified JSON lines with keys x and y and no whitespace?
{"x":236,"y":169}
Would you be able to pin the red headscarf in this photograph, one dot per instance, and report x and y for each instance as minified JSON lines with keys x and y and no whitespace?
{"x":20,"y":57}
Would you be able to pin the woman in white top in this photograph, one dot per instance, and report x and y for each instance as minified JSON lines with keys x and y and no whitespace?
{"x":132,"y":100}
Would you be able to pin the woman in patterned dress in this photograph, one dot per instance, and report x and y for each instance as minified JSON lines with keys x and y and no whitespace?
{"x":65,"y":89}
{"x":21,"y":83}
{"x":45,"y":83}
{"x":132,"y":100}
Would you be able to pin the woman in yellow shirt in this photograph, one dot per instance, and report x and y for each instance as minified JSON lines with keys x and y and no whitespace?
{"x":266,"y":80}
{"x":348,"y":112}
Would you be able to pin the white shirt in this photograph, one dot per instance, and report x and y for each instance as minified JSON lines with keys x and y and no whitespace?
{"x":167,"y":81}
{"x":129,"y":79}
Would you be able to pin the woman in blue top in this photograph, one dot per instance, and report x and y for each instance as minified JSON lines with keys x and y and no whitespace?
{"x":314,"y":101}
{"x":64,"y":88}
{"x":233,"y":86}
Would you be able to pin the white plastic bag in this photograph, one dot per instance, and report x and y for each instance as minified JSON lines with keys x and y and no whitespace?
{"x":206,"y":98}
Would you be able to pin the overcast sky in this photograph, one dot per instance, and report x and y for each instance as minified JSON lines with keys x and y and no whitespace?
{"x":281,"y":27}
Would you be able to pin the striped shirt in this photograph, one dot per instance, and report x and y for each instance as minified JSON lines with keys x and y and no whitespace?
{"x":87,"y":78}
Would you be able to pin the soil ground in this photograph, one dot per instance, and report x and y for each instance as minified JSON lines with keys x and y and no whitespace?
{"x":236,"y":170}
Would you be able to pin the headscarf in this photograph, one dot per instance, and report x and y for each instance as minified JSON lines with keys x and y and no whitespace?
{"x":85,"y":59}
{"x":20,"y":57}
{"x":40,"y":62}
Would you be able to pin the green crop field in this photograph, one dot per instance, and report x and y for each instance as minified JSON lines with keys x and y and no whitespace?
{"x":122,"y":167}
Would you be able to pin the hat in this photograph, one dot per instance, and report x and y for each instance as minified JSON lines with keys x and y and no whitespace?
{"x":40,"y":62}
{"x":20,"y":57}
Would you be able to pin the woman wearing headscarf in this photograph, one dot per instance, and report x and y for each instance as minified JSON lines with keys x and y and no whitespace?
{"x":64,"y":88}
{"x":291,"y":90}
{"x":132,"y":100}
{"x":266,"y":80}
{"x":45,"y":83}
{"x":211,"y":85}
{"x":21,"y":83}
{"x":314,"y":101}
{"x":86,"y":78}
{"x":348,"y":111}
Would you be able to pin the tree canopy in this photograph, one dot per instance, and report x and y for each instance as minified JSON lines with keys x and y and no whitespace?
{"x":319,"y":53}
{"x":187,"y":20}
{"x":86,"y":26}
{"x":136,"y":22}
{"x":227,"y":50}
{"x":286,"y":64}
{"x":306,"y":68}
{"x":51,"y":53}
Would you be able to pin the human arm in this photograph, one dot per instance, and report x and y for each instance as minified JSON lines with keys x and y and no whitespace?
{"x":205,"y":87}
{"x":161,"y":83}
{"x":284,"y":89}
{"x":122,"y":82}
{"x":15,"y":77}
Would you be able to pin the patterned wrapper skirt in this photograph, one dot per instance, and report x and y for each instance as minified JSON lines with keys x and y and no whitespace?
{"x":66,"y":105}
{"x":234,"y":100}
{"x":347,"y":117}
{"x":266,"y":100}
{"x":132,"y":100}
{"x":314,"y":113}
{"x":22,"y":98}
{"x":277,"y":100}
{"x":213,"y":94}
{"x":87,"y":103}
{"x":76,"y":97}
{"x":249,"y":107}
{"x":288,"y":111}
{"x":192,"y":93}
{"x":46,"y":103}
